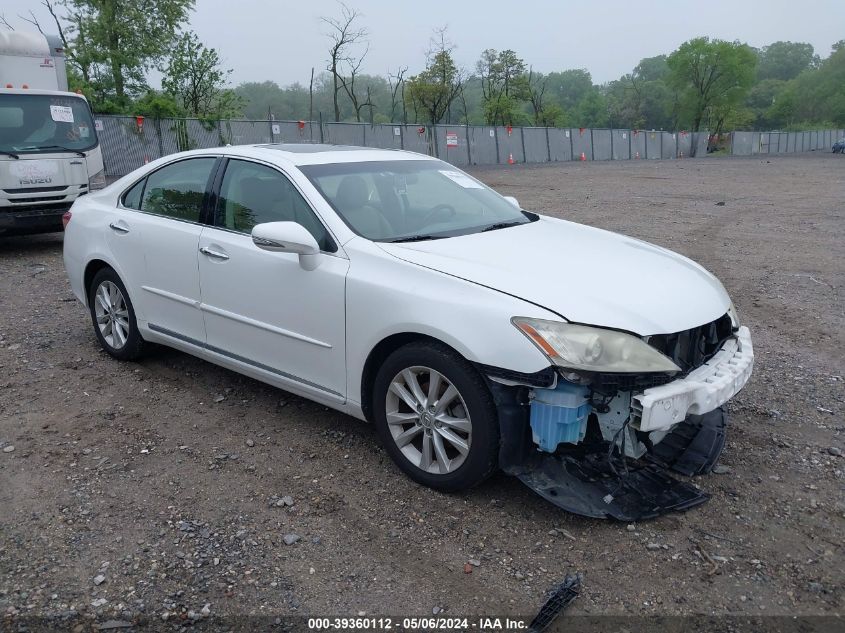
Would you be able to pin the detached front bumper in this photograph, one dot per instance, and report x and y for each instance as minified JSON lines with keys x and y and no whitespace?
{"x":701,"y":391}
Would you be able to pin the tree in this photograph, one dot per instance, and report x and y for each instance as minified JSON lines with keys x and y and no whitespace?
{"x":396,"y":81}
{"x":343,"y":37}
{"x":711,"y":75}
{"x":814,"y":97}
{"x":785,"y":60}
{"x":434,"y":89}
{"x":194,"y":76}
{"x":569,"y":87}
{"x":115,"y":42}
{"x":504,"y":85}
{"x":535,"y":87}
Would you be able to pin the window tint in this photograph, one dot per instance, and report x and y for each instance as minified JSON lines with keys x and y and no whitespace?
{"x":253,"y":194}
{"x":132,"y":199}
{"x":176,"y":191}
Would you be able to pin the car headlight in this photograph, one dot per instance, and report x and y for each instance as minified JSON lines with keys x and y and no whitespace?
{"x":97,"y":181}
{"x":734,"y":316}
{"x":593,"y":349}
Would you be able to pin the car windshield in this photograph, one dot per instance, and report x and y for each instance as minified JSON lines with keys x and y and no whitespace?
{"x":45,"y":123}
{"x":409,"y":200}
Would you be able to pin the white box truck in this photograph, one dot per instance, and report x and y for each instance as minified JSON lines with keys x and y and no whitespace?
{"x":49,"y":150}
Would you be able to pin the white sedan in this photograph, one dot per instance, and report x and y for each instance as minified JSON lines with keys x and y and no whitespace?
{"x":398,"y":289}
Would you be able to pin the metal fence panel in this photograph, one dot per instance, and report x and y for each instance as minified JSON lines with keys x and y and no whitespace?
{"x":536,"y":141}
{"x":560,"y":144}
{"x":290,"y":132}
{"x":742,"y":143}
{"x":602,"y":141}
{"x":343,"y":134}
{"x":621,"y":143}
{"x":684,"y":144}
{"x":637,"y":144}
{"x":653,"y":144}
{"x":385,"y":136}
{"x":483,"y":144}
{"x":510,"y":145}
{"x":582,"y":148}
{"x":669,"y":145}
{"x":247,"y":132}
{"x":452,"y":144}
{"x":416,"y":141}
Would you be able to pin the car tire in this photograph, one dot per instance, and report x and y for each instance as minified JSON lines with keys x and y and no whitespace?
{"x":448,"y":437}
{"x":113,"y":316}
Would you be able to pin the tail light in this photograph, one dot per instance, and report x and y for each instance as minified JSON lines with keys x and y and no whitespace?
{"x":66,"y":219}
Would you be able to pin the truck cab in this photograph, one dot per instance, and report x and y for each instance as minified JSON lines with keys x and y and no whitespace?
{"x":49,"y":150}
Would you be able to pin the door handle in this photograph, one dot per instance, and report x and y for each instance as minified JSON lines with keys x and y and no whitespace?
{"x":214,"y":254}
{"x":117,"y":227}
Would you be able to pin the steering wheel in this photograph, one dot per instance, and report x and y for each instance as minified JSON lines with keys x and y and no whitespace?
{"x":436,"y":210}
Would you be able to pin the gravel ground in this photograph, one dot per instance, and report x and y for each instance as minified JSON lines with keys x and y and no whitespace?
{"x":170,"y":488}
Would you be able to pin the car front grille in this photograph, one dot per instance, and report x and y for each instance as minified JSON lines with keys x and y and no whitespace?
{"x":692,"y":348}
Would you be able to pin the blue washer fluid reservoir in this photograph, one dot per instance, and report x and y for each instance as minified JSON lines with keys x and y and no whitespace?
{"x":559,"y":415}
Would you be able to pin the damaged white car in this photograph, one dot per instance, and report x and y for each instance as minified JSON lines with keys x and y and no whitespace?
{"x":398,"y":289}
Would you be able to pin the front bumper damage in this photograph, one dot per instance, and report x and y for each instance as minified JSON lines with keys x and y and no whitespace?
{"x":619,"y":465}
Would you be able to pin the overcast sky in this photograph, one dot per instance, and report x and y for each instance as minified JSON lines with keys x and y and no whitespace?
{"x":281,"y":40}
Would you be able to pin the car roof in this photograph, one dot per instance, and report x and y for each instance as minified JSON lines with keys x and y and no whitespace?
{"x":315,"y":153}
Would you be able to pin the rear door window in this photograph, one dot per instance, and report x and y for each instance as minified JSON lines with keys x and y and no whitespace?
{"x":177,"y":190}
{"x":132,"y":198}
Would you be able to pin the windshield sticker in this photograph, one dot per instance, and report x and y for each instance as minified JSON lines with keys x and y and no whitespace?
{"x":61,"y":114}
{"x":462,"y":179}
{"x":84,"y":132}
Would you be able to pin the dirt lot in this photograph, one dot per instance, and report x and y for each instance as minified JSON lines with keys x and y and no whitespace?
{"x":142,"y":491}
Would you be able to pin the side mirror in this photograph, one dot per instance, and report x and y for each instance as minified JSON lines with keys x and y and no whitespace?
{"x":513,"y":201}
{"x":288,"y":237}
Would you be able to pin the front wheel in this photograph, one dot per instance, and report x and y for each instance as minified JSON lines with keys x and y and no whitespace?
{"x":436,"y":417}
{"x":113,"y":316}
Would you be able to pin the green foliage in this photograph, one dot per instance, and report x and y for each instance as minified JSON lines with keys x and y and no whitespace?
{"x":815,"y":95}
{"x":785,"y":60}
{"x":158,"y":105}
{"x":112,"y":43}
{"x":711,"y":77}
{"x":194,"y":77}
{"x":504,"y":86}
{"x":432,"y":91}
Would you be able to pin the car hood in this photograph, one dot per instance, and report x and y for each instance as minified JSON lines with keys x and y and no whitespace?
{"x":584,"y":274}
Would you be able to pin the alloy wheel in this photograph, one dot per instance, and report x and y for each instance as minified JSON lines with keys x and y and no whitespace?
{"x":112,"y":314}
{"x":428,"y":420}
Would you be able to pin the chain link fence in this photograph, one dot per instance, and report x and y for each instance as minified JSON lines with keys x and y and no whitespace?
{"x":128,"y":142}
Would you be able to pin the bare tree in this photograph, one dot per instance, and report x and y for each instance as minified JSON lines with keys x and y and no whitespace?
{"x":343,"y":35}
{"x":536,"y":91}
{"x":348,"y":83}
{"x":32,"y":20}
{"x":311,"y":98}
{"x":396,"y":82}
{"x":5,"y":22}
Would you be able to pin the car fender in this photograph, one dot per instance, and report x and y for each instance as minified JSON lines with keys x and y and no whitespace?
{"x":386,"y":296}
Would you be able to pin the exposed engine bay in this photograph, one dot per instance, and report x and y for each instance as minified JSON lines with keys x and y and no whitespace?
{"x":603,"y":445}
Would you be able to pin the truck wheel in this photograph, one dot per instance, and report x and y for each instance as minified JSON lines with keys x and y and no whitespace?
{"x":436,"y":417}
{"x":113,"y":316}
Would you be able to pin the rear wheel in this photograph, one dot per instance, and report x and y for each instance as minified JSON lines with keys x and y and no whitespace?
{"x":436,"y":417}
{"x":113,"y":316}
